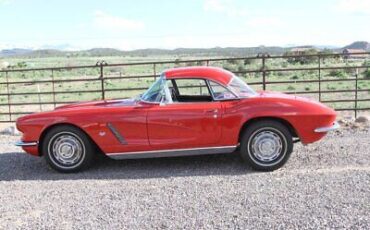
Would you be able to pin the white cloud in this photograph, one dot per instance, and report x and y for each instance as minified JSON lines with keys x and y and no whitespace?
{"x":264,"y":22}
{"x":214,"y":5}
{"x":106,"y":21}
{"x":5,"y":2}
{"x":354,"y":6}
{"x":227,"y":7}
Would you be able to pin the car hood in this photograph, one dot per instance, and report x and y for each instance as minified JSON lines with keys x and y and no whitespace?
{"x":102,"y":103}
{"x":75,"y":108}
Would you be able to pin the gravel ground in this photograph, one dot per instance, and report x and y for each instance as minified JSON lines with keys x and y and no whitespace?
{"x":324,"y":185}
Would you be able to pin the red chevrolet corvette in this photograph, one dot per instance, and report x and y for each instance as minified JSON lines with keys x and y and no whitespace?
{"x":187,"y":111}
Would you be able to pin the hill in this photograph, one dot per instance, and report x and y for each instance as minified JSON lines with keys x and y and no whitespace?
{"x":359,"y":45}
{"x":14,"y":52}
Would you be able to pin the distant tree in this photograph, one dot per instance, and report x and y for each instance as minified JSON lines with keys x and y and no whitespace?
{"x":327,"y":52}
{"x":299,"y":57}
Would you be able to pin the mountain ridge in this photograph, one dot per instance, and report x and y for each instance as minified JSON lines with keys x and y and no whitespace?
{"x":216,"y":51}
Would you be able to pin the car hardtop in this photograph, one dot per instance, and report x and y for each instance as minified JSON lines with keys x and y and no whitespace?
{"x":215,"y":74}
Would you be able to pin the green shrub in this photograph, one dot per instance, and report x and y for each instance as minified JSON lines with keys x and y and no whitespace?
{"x":307,"y":88}
{"x":241,"y":68}
{"x":337,"y":73}
{"x":367,"y":73}
{"x":249,"y":61}
{"x":232,"y":61}
{"x":290,"y":87}
{"x":21,"y":65}
{"x":295,"y":77}
{"x":366,"y":63}
{"x":228,"y":67}
{"x":280,"y":74}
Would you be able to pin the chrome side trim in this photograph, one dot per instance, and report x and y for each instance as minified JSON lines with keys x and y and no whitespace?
{"x":115,"y":132}
{"x":328,"y":128}
{"x":26,"y":144}
{"x":172,"y":152}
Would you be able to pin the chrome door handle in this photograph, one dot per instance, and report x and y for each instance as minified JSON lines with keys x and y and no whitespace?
{"x":212,"y":111}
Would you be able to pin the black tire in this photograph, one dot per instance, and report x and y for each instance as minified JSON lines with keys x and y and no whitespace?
{"x":266,"y":145}
{"x":67,"y":149}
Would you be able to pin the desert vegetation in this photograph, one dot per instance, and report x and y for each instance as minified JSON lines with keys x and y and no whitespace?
{"x":130,"y":80}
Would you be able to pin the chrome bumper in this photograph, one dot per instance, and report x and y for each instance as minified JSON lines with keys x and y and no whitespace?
{"x":26,"y":144}
{"x":328,"y":128}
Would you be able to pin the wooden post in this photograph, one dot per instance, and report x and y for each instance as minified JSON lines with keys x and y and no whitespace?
{"x":356,"y":92}
{"x":319,"y":59}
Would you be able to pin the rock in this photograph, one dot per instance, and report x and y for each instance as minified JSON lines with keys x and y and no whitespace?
{"x":12,"y":131}
{"x":362,"y":119}
{"x":343,"y":121}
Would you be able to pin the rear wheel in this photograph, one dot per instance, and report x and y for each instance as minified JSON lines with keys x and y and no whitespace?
{"x":266,"y":145}
{"x":67,"y":149}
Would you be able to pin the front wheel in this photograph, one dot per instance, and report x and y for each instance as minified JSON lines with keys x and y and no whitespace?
{"x":67,"y":149}
{"x":266,"y":145}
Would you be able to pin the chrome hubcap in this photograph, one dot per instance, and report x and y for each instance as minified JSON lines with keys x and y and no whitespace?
{"x":67,"y":149}
{"x":266,"y":146}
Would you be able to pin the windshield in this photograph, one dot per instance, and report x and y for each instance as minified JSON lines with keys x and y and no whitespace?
{"x":241,"y":88}
{"x":158,"y":92}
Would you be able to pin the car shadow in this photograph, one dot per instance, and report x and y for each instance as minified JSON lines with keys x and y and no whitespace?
{"x":20,"y":166}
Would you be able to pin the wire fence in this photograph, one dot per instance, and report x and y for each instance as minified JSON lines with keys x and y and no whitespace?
{"x":340,"y":80}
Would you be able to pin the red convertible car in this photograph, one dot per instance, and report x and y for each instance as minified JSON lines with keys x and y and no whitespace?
{"x":187,"y":111}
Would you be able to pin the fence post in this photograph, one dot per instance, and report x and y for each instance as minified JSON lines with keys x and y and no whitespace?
{"x":319,"y":59}
{"x":155,"y":72}
{"x":356,"y":92}
{"x":264,"y":72}
{"x":101,"y":64}
{"x":39,"y":96}
{"x":263,"y":69}
{"x":8,"y":95}
{"x":53,"y":87}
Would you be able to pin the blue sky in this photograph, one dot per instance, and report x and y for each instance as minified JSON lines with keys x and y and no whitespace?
{"x":188,"y":23}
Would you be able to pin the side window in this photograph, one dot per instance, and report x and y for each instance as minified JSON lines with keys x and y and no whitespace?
{"x":192,"y":87}
{"x":220,"y":92}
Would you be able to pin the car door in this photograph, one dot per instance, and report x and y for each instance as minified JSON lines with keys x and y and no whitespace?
{"x":184,"y":125}
{"x":192,"y":120}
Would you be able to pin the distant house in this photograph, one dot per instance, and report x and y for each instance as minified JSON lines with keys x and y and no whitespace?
{"x":354,"y":54}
